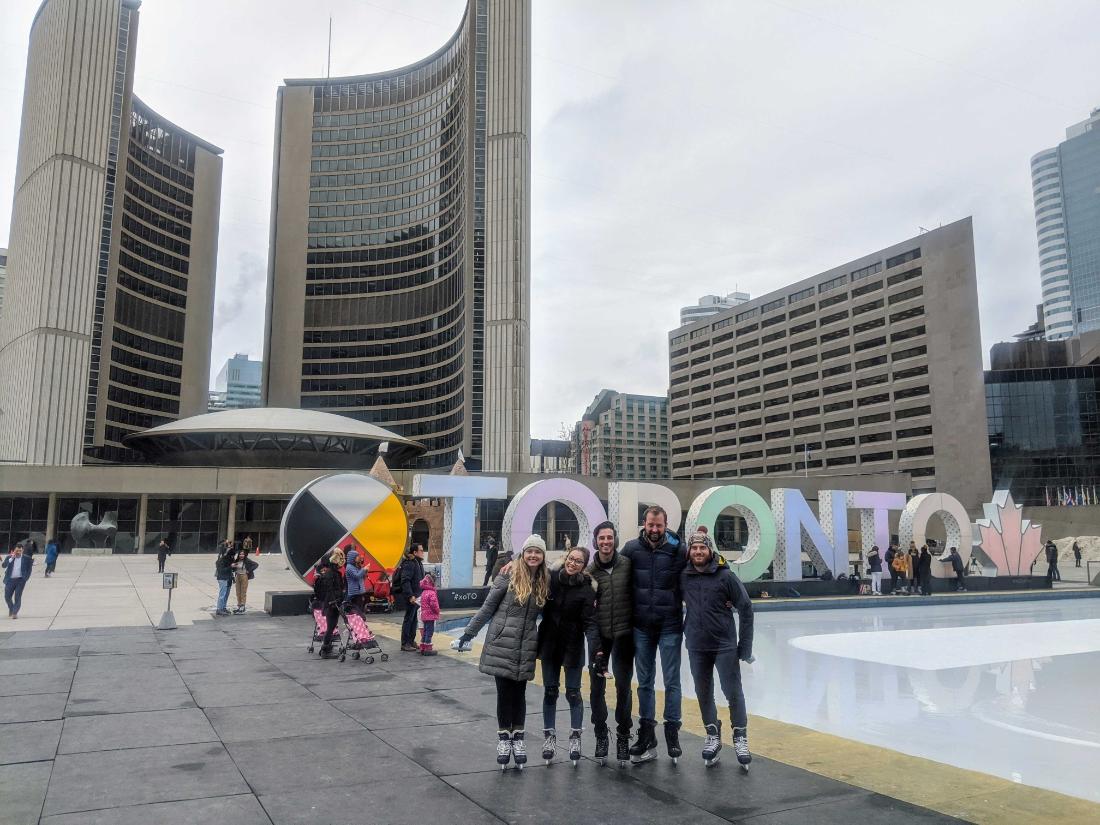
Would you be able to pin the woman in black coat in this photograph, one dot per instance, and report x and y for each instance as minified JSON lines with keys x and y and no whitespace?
{"x":924,"y":570}
{"x":568,"y":618}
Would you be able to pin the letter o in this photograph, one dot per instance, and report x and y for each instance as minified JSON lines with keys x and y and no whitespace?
{"x":913,"y":525}
{"x":760,"y":548}
{"x":519,"y":518}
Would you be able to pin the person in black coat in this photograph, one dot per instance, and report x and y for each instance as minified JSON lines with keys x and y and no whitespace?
{"x":657,"y":559}
{"x":874,"y":567}
{"x":1076,"y":554}
{"x":1052,"y":562}
{"x":924,"y":570}
{"x":163,"y":552}
{"x":412,"y":571}
{"x":491,"y":554}
{"x":891,"y":553}
{"x":329,"y":591}
{"x":710,"y":590}
{"x":568,"y":617}
{"x":955,"y":560}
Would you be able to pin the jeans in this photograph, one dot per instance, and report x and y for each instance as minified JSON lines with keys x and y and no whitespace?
{"x":511,"y":704}
{"x":13,"y":594}
{"x":427,"y":633}
{"x":223,"y":593}
{"x":876,"y":582}
{"x":646,"y":645}
{"x":621,"y":653}
{"x":1052,"y":572}
{"x":551,"y":676}
{"x":408,"y":624}
{"x":703,"y":663}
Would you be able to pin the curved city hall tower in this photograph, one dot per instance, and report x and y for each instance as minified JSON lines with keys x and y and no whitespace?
{"x":399,"y":284}
{"x":109,"y":303}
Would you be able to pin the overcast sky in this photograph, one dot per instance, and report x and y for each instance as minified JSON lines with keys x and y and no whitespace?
{"x":678,"y":148}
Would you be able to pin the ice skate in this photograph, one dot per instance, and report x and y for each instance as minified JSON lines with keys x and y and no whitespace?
{"x":741,"y":747}
{"x":603,"y":744}
{"x":712,"y":745}
{"x":575,"y":747}
{"x":645,"y":747}
{"x":549,"y":745}
{"x":622,"y":749}
{"x":504,"y":748}
{"x":672,"y":741}
{"x":519,"y":749}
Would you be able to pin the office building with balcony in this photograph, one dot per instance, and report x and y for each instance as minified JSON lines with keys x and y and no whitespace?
{"x":1065,"y":182}
{"x":622,"y":436}
{"x":711,"y":305}
{"x":870,"y":367}
{"x":110,"y":295}
{"x":399,"y":283}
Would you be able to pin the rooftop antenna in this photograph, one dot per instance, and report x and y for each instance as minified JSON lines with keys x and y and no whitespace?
{"x":328,"y":64}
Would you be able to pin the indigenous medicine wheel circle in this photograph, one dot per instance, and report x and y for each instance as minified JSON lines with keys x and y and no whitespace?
{"x":342,"y":509}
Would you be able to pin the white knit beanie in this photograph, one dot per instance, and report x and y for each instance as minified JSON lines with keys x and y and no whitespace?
{"x":534,"y":540}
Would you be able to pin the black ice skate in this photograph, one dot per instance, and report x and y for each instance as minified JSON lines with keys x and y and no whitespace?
{"x":575,"y":747}
{"x":603,"y":745}
{"x":504,"y":748}
{"x":645,"y":747}
{"x":672,"y":741}
{"x":622,"y":749}
{"x":519,"y":749}
{"x":549,"y":745}
{"x":741,"y":747}
{"x":712,"y":745}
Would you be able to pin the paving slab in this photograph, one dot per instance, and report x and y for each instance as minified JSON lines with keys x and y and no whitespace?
{"x":452,"y":749}
{"x":127,"y":691}
{"x":231,"y":690}
{"x":33,"y":708}
{"x":36,"y":651}
{"x":301,"y":718}
{"x":22,"y":684}
{"x":42,"y":638}
{"x":116,"y":731}
{"x":870,"y":807}
{"x":367,"y":683}
{"x":381,"y":712}
{"x":282,"y":765}
{"x":244,"y":809}
{"x":14,"y":667}
{"x":28,"y":742}
{"x":431,"y":800}
{"x":22,"y":789}
{"x":112,"y":779}
{"x":114,"y":663}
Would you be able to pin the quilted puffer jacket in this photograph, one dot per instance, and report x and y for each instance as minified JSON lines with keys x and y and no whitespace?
{"x":511,"y":643}
{"x":615,"y":595}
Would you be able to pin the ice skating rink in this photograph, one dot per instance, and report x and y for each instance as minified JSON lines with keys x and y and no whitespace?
{"x":1011,"y":690}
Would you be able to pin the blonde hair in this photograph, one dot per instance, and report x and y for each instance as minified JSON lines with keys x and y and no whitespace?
{"x":525,"y":583}
{"x":337,"y":558}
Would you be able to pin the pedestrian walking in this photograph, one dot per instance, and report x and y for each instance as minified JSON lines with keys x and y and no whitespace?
{"x":611,"y":572}
{"x":223,"y":572}
{"x":567,"y":619}
{"x":1076,"y":554}
{"x":164,"y":550}
{"x":491,"y":553}
{"x":17,"y":571}
{"x":429,"y":613}
{"x":355,"y":575}
{"x":244,"y":570}
{"x":710,"y":588}
{"x":657,"y":559}
{"x":412,"y":572}
{"x":924,"y":571}
{"x":955,"y":560}
{"x":329,"y":591}
{"x":1053,"y":575}
{"x":874,"y":566}
{"x":51,"y":557}
{"x":511,"y":611}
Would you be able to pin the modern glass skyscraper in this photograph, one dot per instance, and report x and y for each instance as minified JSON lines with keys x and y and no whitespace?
{"x":110,"y":293}
{"x":1065,"y":181}
{"x":399,"y":280}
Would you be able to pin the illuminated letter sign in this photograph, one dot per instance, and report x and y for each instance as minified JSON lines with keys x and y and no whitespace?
{"x":760,"y":547}
{"x":800,"y":531}
{"x":460,"y":495}
{"x":914,"y":522}
{"x":874,"y":517}
{"x":519,"y":518}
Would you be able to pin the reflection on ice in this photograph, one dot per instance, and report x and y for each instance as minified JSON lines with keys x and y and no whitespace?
{"x":1005,"y":689}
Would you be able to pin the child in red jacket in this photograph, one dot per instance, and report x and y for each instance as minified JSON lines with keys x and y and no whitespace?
{"x":429,"y":612}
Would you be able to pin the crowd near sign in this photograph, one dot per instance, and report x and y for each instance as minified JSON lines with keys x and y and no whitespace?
{"x":780,"y":530}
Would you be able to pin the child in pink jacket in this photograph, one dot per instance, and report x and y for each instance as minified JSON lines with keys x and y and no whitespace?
{"x":429,"y":612}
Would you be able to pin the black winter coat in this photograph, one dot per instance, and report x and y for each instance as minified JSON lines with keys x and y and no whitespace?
{"x":874,"y":562}
{"x":568,"y":616}
{"x":656,"y":572}
{"x":412,"y":571}
{"x":614,"y":595}
{"x":709,"y":625}
{"x":924,"y":564}
{"x":328,"y":586}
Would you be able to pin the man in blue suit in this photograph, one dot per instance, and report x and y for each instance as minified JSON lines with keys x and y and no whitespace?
{"x":17,"y":569}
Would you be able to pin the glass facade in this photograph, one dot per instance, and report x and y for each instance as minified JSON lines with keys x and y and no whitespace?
{"x":386,"y":319}
{"x":1080,"y":157}
{"x":22,"y":518}
{"x":1044,"y":434}
{"x":190,"y":525}
{"x":259,"y":518}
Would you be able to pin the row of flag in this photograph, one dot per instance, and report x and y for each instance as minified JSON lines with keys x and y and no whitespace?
{"x":1079,"y":496}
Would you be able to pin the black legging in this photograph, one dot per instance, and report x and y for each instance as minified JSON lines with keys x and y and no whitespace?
{"x":332,"y":616}
{"x":511,"y":703}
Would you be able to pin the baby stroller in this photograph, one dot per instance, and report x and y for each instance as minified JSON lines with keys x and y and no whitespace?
{"x":379,"y":595}
{"x":319,"y":624}
{"x":359,"y":640}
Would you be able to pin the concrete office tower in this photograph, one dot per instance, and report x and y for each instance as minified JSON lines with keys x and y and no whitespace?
{"x":113,"y":246}
{"x":622,"y":436}
{"x":238,"y":382}
{"x":873,"y":366}
{"x":1065,"y":181}
{"x":3,"y":276}
{"x":711,"y":305}
{"x":399,"y":283}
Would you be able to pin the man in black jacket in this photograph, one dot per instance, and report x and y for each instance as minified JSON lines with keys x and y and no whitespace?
{"x":490,"y":560}
{"x":1052,"y":562}
{"x":412,"y":571}
{"x":615,"y":616}
{"x":657,"y":559}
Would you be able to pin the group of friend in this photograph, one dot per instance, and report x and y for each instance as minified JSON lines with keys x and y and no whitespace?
{"x":628,"y":604}
{"x":911,"y":570}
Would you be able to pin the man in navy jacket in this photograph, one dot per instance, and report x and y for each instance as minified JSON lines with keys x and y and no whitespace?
{"x":657,"y":559}
{"x":17,"y":569}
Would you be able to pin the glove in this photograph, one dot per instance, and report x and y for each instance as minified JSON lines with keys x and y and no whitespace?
{"x":462,"y":644}
{"x":748,"y":659}
{"x":599,"y":666}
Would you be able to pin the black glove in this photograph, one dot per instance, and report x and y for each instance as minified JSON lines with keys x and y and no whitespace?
{"x":599,"y":666}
